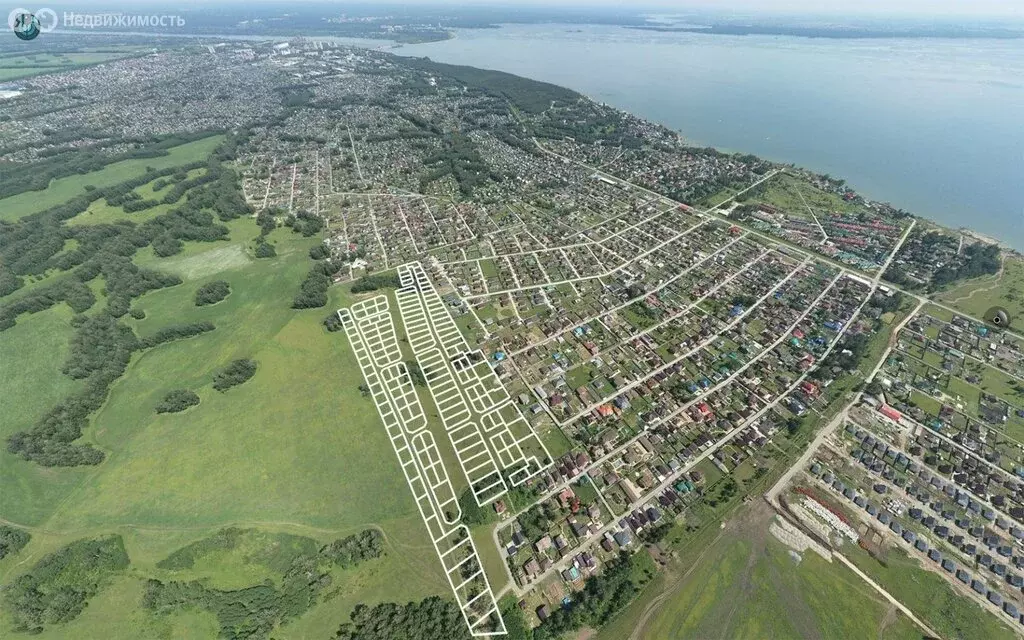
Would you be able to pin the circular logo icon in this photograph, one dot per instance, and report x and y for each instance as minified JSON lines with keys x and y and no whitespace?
{"x":24,"y":24}
{"x":47,"y":20}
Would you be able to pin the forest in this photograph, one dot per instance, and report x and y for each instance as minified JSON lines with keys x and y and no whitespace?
{"x":429,"y":618}
{"x":387,"y":280}
{"x":529,"y":95}
{"x":57,"y":588}
{"x":459,"y":159}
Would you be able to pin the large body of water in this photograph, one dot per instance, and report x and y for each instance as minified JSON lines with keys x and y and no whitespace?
{"x":933,"y":126}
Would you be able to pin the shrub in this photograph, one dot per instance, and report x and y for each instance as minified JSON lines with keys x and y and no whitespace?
{"x":234,"y":374}
{"x":265,"y":250}
{"x":212,"y":293}
{"x":177,"y":401}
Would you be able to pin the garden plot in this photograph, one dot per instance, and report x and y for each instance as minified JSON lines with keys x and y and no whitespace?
{"x":369,"y":323}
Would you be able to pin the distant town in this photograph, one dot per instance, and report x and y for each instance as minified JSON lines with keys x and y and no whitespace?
{"x":581,"y":341}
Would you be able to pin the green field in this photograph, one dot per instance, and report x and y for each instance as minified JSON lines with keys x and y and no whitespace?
{"x":64,"y":189}
{"x":977,"y":296}
{"x":295,"y":448}
{"x":929,"y":596}
{"x":24,"y":66}
{"x":741,"y":582}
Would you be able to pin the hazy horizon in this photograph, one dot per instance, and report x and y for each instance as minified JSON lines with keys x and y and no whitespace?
{"x":919,"y":8}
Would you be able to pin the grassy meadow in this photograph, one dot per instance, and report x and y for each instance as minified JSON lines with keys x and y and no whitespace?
{"x":740,"y":582}
{"x":1006,"y":290}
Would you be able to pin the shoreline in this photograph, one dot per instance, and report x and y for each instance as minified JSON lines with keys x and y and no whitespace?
{"x":872,"y":194}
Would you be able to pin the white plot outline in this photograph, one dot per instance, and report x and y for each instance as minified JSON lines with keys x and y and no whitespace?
{"x":460,"y":380}
{"x":453,"y":544}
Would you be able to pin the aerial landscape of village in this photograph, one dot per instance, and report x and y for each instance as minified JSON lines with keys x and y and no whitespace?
{"x":346,"y":344}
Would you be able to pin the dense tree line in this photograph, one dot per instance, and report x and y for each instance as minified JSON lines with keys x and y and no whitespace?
{"x":18,"y":178}
{"x":58,"y":587}
{"x":432,"y":618}
{"x":237,"y":372}
{"x":77,"y":295}
{"x":530,"y":96}
{"x":247,"y":613}
{"x":388,"y":280}
{"x":354,"y":549}
{"x":253,"y":612}
{"x":980,"y":259}
{"x":12,"y":540}
{"x":603,"y":596}
{"x":175,"y":332}
{"x":177,"y":401}
{"x":319,"y":252}
{"x":212,"y":293}
{"x":313,"y":290}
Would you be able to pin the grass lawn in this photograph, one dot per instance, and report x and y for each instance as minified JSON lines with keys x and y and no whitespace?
{"x":64,"y":189}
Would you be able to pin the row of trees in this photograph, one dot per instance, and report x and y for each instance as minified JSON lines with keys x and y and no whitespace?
{"x":354,"y":549}
{"x":429,"y":618}
{"x":313,"y":290}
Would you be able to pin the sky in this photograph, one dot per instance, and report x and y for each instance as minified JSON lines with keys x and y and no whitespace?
{"x":848,"y":7}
